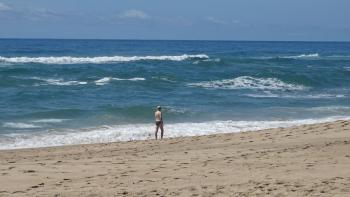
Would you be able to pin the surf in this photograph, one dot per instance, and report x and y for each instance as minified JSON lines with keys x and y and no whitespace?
{"x":98,"y":59}
{"x":115,"y":133}
{"x":248,"y":82}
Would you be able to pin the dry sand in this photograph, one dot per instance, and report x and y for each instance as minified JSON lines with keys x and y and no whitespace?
{"x":309,"y":160}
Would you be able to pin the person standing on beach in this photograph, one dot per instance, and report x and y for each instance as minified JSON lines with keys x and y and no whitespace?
{"x":159,"y":122}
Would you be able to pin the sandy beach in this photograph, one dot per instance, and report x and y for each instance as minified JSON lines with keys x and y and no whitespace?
{"x":308,"y":160}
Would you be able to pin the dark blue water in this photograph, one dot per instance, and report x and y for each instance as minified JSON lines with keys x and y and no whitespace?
{"x":84,"y":91}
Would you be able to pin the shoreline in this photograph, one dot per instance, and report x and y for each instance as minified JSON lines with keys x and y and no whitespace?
{"x":140,"y":132}
{"x":303,"y":160}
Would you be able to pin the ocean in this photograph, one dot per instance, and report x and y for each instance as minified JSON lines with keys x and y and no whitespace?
{"x":62,"y":92}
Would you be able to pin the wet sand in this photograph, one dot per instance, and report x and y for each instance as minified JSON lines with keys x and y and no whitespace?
{"x":308,"y":160}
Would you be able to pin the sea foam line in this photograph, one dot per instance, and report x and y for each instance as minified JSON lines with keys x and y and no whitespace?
{"x":49,"y":120}
{"x":99,"y":59}
{"x":20,"y":125}
{"x":308,"y":96}
{"x":105,"y":134}
{"x":306,"y":56}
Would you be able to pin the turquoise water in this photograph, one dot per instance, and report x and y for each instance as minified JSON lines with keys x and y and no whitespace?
{"x":57,"y":92}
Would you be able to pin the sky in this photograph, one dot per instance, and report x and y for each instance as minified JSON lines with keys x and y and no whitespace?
{"x":266,"y":20}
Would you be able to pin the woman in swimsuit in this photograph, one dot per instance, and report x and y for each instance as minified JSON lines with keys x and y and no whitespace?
{"x":159,"y":122}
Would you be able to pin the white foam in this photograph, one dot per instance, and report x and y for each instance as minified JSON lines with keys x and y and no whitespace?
{"x":103,"y":81}
{"x":106,"y":80}
{"x":143,"y":131}
{"x":130,"y":79}
{"x":311,"y":96}
{"x":50,"y":120}
{"x":247,"y":82}
{"x":64,"y":83}
{"x":311,"y":56}
{"x":20,"y":125}
{"x":302,"y":56}
{"x":97,"y":60}
{"x":59,"y":82}
{"x":318,"y":96}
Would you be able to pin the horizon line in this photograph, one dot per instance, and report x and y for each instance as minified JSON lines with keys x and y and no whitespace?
{"x":140,"y":39}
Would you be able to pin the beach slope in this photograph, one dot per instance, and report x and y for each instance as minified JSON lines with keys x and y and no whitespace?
{"x":308,"y":160}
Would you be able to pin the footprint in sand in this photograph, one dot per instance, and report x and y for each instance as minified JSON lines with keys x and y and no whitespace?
{"x":37,"y":186}
{"x":17,"y":192}
{"x":29,"y":171}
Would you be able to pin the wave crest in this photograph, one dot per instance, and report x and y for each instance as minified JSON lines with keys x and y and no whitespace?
{"x":106,"y":80}
{"x":99,"y":59}
{"x":247,"y":82}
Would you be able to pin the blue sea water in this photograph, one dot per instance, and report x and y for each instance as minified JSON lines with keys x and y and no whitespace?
{"x":58,"y":92}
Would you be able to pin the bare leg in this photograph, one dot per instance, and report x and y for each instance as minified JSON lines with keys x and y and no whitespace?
{"x":156,"y":133}
{"x":162,"y":131}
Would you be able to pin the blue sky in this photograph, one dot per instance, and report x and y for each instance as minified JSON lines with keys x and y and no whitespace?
{"x":309,"y":20}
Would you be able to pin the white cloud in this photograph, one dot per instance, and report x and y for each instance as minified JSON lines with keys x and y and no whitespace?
{"x":4,"y":7}
{"x":216,"y":21}
{"x":138,"y":14}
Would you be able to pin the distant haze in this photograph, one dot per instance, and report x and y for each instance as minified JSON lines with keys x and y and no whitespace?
{"x":297,"y":20}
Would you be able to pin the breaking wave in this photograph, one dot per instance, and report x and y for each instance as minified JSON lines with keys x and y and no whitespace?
{"x":247,"y":82}
{"x":98,"y":60}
